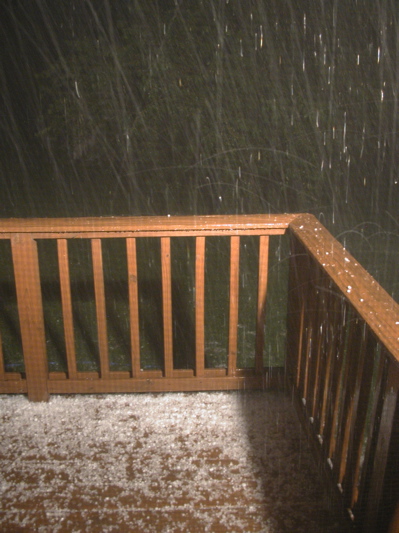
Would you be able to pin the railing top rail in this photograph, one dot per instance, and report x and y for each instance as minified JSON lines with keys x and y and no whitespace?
{"x":370,"y":300}
{"x":146,"y":225}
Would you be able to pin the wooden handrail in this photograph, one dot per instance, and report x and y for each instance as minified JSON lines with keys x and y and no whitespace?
{"x":148,"y":226}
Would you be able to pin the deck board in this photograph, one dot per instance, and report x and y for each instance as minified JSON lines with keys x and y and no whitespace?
{"x":222,"y":461}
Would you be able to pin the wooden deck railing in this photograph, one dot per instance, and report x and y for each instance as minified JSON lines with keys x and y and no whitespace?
{"x":342,"y":360}
{"x":38,"y":382}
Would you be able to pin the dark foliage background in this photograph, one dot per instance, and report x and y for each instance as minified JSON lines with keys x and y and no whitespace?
{"x":176,"y":107}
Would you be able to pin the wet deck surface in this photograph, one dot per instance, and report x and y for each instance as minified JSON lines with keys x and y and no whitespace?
{"x":216,"y":462}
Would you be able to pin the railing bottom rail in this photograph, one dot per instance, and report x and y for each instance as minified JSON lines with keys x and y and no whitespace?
{"x":184,"y":381}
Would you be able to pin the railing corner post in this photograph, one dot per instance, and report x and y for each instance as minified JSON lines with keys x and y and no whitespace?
{"x":30,"y":311}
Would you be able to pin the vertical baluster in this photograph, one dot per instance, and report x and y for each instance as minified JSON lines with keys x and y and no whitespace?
{"x":133,"y":305}
{"x":312,"y":332}
{"x":233,"y":313}
{"x":298,"y":355}
{"x":318,"y":328}
{"x":296,"y":313}
{"x":325,"y":350}
{"x":305,"y":289}
{"x":363,"y":398}
{"x":30,"y":310}
{"x":306,"y":359}
{"x":353,"y":372}
{"x":336,"y":373}
{"x":325,"y":396}
{"x":316,"y":374}
{"x":379,"y":369}
{"x":199,"y":306}
{"x":67,"y":316}
{"x":261,"y":308}
{"x":167,"y":306}
{"x":356,"y":348}
{"x":329,"y":350}
{"x":99,"y":292}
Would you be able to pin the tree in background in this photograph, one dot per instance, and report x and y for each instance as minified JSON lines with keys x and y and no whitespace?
{"x":172,"y":107}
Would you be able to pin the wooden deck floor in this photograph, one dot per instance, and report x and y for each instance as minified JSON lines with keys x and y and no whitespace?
{"x":202,"y":462}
